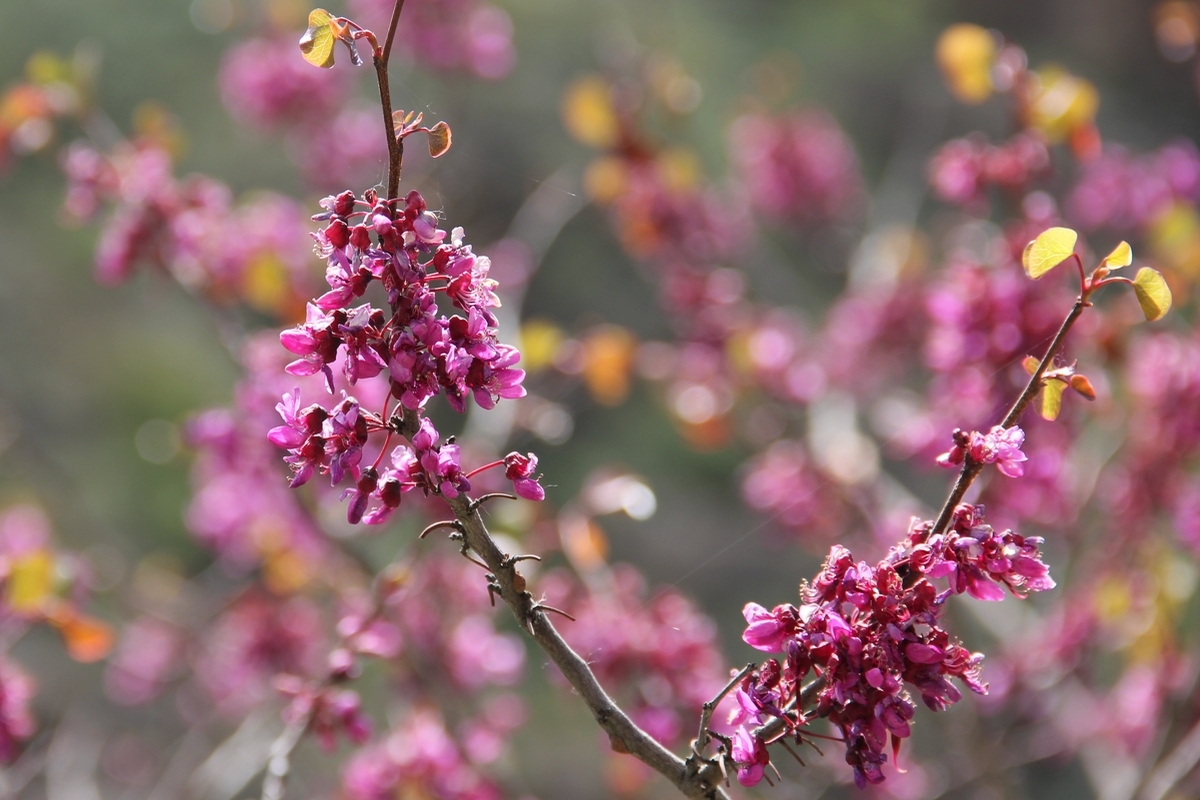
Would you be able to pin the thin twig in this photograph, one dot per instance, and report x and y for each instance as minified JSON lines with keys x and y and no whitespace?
{"x":625,"y":736}
{"x":279,"y":761}
{"x":970,"y":468}
{"x":395,"y":144}
{"x":706,"y":712}
{"x":1174,"y":768}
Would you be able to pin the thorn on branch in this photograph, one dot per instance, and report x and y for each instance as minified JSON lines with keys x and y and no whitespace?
{"x":465,"y":552}
{"x":479,"y":501}
{"x":510,"y":561}
{"x":494,"y":588}
{"x":446,"y":523}
{"x":542,"y":608}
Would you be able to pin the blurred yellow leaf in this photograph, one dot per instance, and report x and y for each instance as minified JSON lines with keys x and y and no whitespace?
{"x":584,"y":542}
{"x":1060,"y":103}
{"x":607,"y":363}
{"x":1048,"y":250}
{"x":539,"y":344}
{"x":588,"y":113}
{"x":285,"y":573}
{"x":87,"y":639}
{"x":44,"y":67}
{"x":1175,"y":239}
{"x":264,"y":283}
{"x":605,"y":179}
{"x":1113,"y":598}
{"x":1121,"y":256}
{"x":965,"y":53}
{"x":1052,"y":392}
{"x":316,"y":45}
{"x":439,"y":139}
{"x":1030,"y":364}
{"x":30,"y":582}
{"x":679,"y":168}
{"x":1152,"y":293}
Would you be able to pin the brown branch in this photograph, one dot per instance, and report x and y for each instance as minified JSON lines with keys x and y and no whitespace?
{"x":395,"y":144}
{"x":624,"y":735}
{"x":279,"y":760}
{"x":1172,"y":769}
{"x":971,"y":469}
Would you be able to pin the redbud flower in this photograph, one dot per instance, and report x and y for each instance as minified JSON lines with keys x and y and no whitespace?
{"x":999,"y":446}
{"x":519,"y":469}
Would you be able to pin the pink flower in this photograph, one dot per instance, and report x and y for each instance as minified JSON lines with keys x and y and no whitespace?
{"x":999,"y":446}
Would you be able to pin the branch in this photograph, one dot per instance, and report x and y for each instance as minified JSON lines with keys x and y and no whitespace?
{"x":624,"y":735}
{"x":971,"y":469}
{"x":1174,"y":768}
{"x":279,"y":760}
{"x":395,"y":145}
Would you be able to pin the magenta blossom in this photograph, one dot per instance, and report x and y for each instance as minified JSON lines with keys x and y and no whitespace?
{"x":999,"y":446}
{"x":519,"y":469}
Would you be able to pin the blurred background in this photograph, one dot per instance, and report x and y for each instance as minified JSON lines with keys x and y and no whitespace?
{"x":97,"y":382}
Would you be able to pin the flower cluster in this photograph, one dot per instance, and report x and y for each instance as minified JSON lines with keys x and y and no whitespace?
{"x":419,"y":758}
{"x":964,"y":169}
{"x":869,"y":632}
{"x":191,"y":229}
{"x":1124,"y":192}
{"x":799,"y":166}
{"x":416,"y":348}
{"x":472,"y":36}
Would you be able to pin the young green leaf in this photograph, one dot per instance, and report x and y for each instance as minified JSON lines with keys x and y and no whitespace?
{"x":1052,"y":393}
{"x":1121,"y":256}
{"x":316,"y":45}
{"x":1052,"y":247}
{"x":439,"y":139}
{"x":1152,"y":293}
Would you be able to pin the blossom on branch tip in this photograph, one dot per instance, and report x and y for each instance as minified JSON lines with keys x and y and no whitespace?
{"x":519,"y":469}
{"x":1000,"y":446}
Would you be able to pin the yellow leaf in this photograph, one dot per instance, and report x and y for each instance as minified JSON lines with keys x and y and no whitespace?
{"x":608,"y":363}
{"x":1121,"y":256}
{"x":1152,"y":293}
{"x":316,"y":44}
{"x":1061,"y":103}
{"x":439,"y":139}
{"x":965,"y":54}
{"x":605,"y":179}
{"x":1030,"y":364}
{"x":540,"y":341}
{"x":588,"y":113}
{"x":30,"y":582}
{"x":1052,"y":392}
{"x":1048,"y":250}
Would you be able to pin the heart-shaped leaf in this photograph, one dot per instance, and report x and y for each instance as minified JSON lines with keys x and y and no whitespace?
{"x":439,"y":139}
{"x":1052,"y":393}
{"x":1048,"y":250}
{"x":316,"y":45}
{"x":1121,"y":256}
{"x":1152,"y":293}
